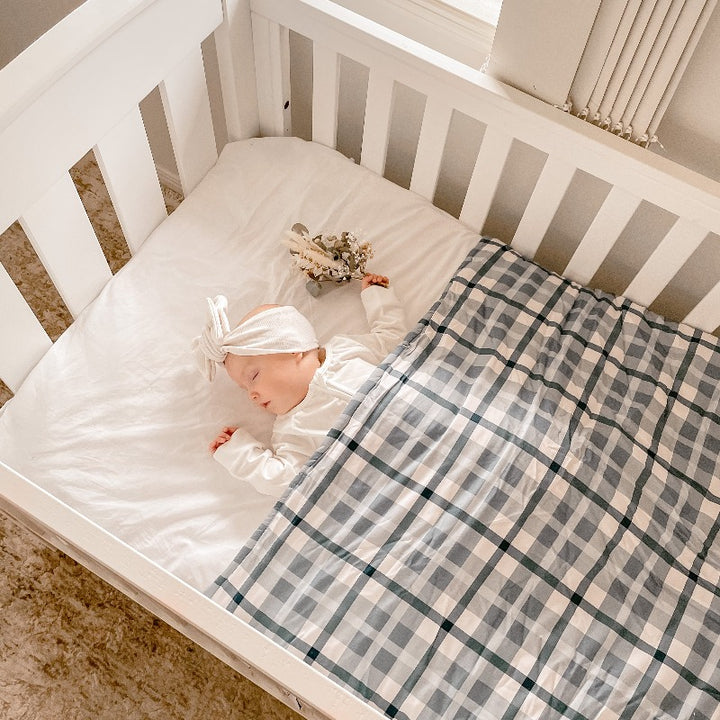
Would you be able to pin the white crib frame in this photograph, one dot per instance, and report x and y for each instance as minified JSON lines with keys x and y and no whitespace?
{"x":57,"y":103}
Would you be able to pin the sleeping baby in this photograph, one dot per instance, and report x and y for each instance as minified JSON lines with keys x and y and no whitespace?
{"x":274,"y":355}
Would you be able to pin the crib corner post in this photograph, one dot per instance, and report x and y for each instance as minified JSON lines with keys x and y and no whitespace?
{"x":236,"y":61}
{"x":271,"y":43}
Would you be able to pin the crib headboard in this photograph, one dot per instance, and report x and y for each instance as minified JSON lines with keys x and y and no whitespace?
{"x":78,"y":88}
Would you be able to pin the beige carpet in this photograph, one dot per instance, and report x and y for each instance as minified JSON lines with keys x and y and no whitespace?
{"x":71,"y":646}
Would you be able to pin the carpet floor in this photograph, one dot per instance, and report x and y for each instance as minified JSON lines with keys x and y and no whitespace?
{"x":71,"y":646}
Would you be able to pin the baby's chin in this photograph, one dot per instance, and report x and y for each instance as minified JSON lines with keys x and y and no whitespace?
{"x":279,"y":408}
{"x":276,"y":408}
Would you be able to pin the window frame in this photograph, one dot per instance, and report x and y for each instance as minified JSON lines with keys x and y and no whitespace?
{"x":461,"y":29}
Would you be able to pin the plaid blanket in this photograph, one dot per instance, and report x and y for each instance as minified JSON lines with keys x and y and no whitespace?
{"x":516,"y":517}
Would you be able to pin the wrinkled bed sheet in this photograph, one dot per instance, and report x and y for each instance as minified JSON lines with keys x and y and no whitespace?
{"x":115,"y":420}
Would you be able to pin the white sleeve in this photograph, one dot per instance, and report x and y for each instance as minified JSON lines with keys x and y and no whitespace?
{"x":269,"y":473}
{"x":386,"y":317}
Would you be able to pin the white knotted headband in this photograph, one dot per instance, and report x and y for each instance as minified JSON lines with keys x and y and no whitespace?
{"x":280,"y":329}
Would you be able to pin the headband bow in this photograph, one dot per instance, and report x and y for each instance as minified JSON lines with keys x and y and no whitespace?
{"x":280,"y":329}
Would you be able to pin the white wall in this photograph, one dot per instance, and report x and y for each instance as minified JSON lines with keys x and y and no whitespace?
{"x":690,"y":129}
{"x":538,"y":45}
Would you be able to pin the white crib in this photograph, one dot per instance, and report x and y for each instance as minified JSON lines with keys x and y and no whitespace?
{"x":79,"y":87}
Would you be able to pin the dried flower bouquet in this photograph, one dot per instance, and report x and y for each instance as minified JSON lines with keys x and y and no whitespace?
{"x":327,"y":258}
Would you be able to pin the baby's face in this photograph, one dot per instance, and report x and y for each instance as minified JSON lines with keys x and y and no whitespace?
{"x":276,"y":383}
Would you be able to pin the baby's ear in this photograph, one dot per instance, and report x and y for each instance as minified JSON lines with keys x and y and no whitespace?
{"x":300,"y":355}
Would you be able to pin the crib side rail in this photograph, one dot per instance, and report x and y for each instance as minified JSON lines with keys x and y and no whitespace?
{"x":183,"y":607}
{"x":634,"y":176}
{"x":76,"y":89}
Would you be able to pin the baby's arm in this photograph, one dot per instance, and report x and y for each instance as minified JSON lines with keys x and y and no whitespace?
{"x":247,"y":459}
{"x":385,"y":315}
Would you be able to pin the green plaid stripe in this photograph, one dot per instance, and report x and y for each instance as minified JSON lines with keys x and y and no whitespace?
{"x":515,"y":518}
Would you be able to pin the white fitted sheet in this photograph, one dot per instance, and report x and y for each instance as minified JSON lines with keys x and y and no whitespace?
{"x":115,"y":420}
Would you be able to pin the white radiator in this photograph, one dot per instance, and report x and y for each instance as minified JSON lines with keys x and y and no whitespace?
{"x":636,"y":54}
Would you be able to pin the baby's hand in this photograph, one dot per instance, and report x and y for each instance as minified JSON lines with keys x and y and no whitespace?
{"x":222,"y":438}
{"x":373,"y":279}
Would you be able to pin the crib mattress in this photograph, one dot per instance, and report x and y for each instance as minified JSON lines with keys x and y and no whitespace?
{"x":115,"y":420}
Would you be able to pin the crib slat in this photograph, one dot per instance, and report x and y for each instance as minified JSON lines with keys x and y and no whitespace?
{"x":187,"y":108}
{"x":236,"y":66}
{"x":549,"y":191}
{"x":602,"y":234}
{"x":326,"y":78}
{"x":706,"y":314}
{"x":22,"y":339}
{"x":670,"y":255}
{"x":272,"y":66}
{"x":431,"y":144}
{"x":485,"y":178}
{"x":59,"y":230}
{"x":129,"y":172}
{"x":376,"y":127}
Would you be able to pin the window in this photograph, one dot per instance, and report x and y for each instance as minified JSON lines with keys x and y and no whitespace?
{"x":486,"y":10}
{"x":460,"y":29}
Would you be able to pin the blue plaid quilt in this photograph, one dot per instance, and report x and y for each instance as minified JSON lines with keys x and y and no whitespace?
{"x":516,"y":517}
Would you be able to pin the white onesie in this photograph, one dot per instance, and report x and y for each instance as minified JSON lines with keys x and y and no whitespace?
{"x":296,"y":435}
